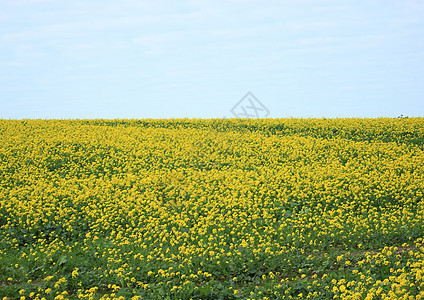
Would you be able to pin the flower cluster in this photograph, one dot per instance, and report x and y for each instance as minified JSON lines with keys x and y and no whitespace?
{"x":243,"y":209}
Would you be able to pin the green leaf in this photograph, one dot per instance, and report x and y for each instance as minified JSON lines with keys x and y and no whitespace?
{"x":62,"y":260}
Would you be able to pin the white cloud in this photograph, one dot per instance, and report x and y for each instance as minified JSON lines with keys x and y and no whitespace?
{"x":209,"y":47}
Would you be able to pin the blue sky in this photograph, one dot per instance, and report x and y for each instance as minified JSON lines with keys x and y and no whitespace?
{"x":197,"y":58}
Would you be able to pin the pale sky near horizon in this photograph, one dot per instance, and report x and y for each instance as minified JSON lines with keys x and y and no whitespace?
{"x":197,"y":59}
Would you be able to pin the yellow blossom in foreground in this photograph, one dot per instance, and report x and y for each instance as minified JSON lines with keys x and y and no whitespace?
{"x":307,"y":208}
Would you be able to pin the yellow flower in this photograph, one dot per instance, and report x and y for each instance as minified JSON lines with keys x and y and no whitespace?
{"x":75,"y":273}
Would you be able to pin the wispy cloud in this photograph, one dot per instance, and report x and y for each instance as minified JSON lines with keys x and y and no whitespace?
{"x":204,"y":49}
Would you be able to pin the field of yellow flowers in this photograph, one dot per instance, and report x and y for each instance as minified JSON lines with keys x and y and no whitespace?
{"x":212,"y":209}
